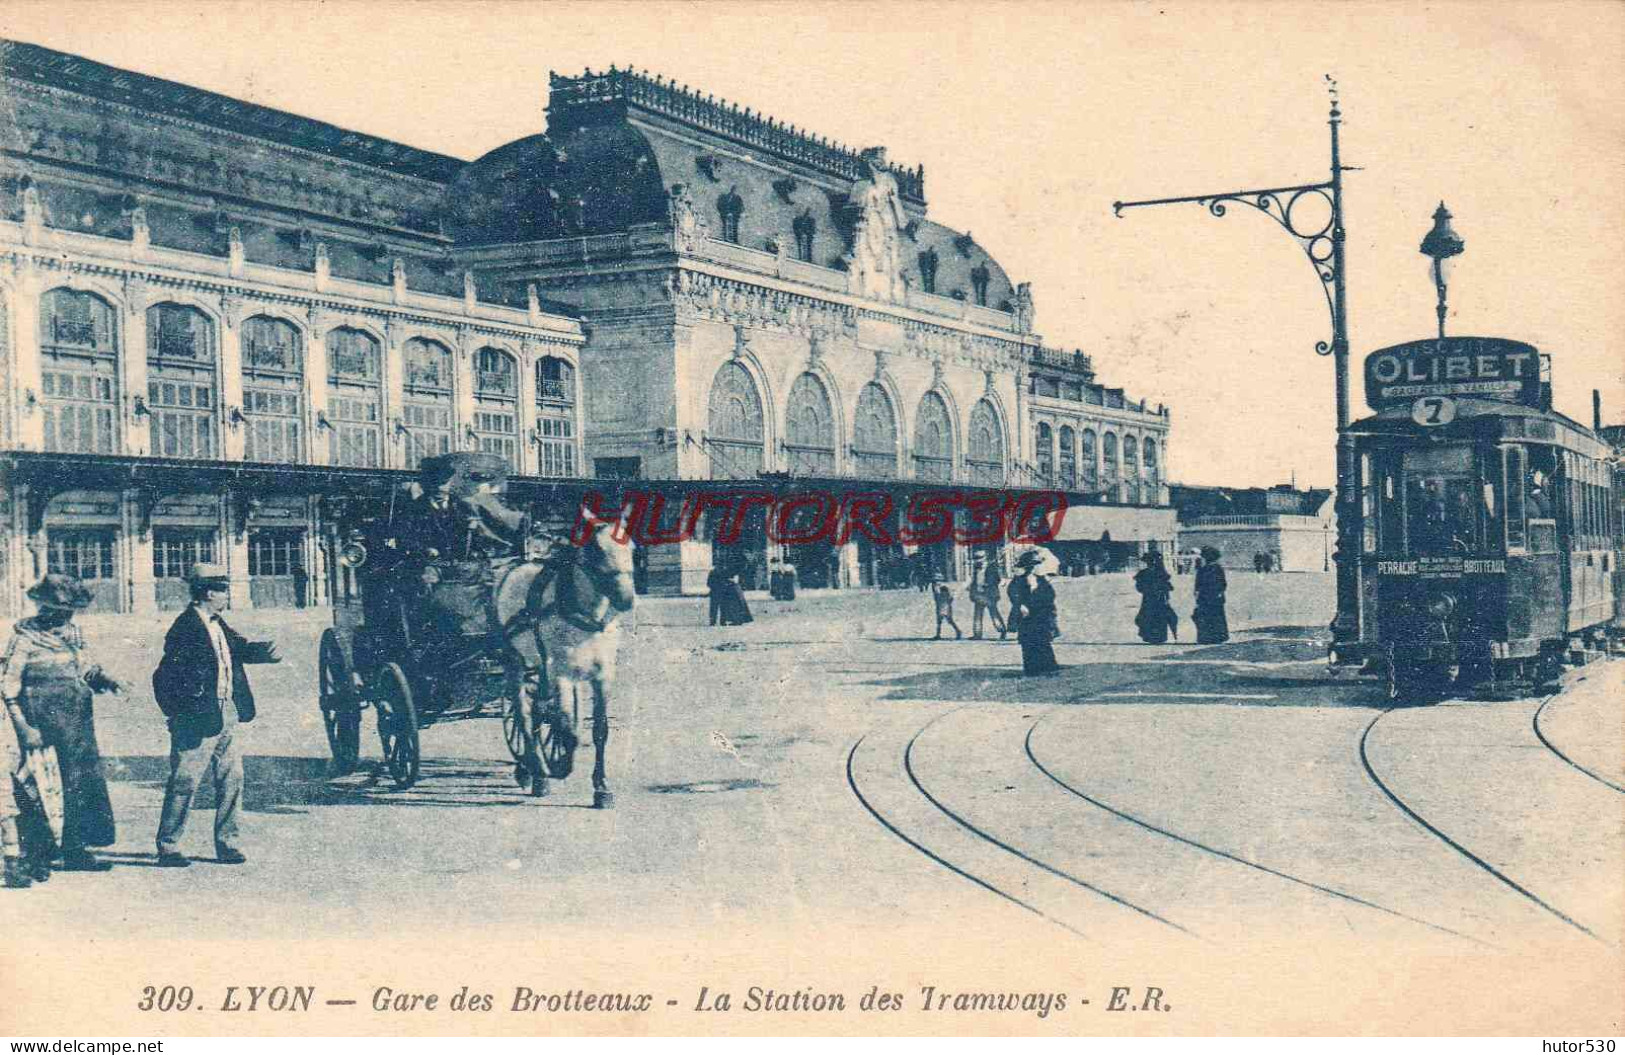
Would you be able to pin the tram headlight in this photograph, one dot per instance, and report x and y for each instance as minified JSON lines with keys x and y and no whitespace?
{"x":1441,"y":606}
{"x":353,"y":555}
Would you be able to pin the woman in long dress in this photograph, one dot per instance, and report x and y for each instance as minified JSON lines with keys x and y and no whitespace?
{"x":1156,"y":617}
{"x":43,"y":677}
{"x":1032,"y":613}
{"x":1212,"y":627}
{"x":735,"y":609}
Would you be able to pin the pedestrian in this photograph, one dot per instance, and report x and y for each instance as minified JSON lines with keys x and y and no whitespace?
{"x":735,"y":609}
{"x":922,"y":572}
{"x":1156,"y":618}
{"x":942,"y":599}
{"x":1032,"y":612}
{"x":201,"y":687}
{"x":775,"y":579}
{"x":984,"y":595}
{"x":789,"y":581}
{"x":716,"y":585}
{"x":48,"y":691}
{"x":1212,"y":627}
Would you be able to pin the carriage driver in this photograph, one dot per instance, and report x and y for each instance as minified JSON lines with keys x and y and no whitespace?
{"x":459,"y":517}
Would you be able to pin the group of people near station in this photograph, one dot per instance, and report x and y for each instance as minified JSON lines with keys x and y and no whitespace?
{"x":1035,"y":620}
{"x":55,"y":810}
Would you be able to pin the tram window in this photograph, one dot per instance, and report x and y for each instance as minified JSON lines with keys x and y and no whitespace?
{"x":1442,"y":509}
{"x":1368,"y":507}
{"x":1516,"y":490}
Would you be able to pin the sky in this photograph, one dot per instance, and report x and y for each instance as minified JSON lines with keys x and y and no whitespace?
{"x":1032,"y":118}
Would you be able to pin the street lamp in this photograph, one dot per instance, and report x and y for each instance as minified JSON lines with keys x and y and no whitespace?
{"x":1441,"y":244}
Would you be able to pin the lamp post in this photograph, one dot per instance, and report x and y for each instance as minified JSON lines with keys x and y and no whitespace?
{"x":1322,"y":243}
{"x":1441,"y":244}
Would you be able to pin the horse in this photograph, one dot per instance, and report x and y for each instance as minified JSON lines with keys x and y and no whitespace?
{"x":560,"y":615}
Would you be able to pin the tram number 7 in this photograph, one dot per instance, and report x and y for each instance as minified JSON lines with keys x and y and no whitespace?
{"x":1433,"y":410}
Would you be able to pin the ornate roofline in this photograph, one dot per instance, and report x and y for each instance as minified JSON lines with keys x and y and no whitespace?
{"x":59,"y":69}
{"x":625,"y":88}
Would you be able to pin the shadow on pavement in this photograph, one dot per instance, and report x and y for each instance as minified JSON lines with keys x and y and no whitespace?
{"x":286,"y":784}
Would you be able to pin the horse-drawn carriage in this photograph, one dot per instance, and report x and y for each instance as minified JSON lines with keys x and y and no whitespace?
{"x":447,"y":604}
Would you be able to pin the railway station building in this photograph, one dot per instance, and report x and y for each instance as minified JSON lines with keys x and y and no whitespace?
{"x":219,"y":321}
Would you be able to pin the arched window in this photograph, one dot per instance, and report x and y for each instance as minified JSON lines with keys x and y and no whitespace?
{"x":1091,"y":470}
{"x":1108,"y":457}
{"x":809,"y":433}
{"x":79,"y":372}
{"x":273,"y":390}
{"x":978,"y":281}
{"x":928,"y":271}
{"x":556,"y":416}
{"x":734,"y":426}
{"x":555,"y":382}
{"x":1044,"y":452}
{"x":933,"y":440}
{"x":804,"y":227}
{"x":1152,"y":480}
{"x":354,"y":398}
{"x":181,"y":384}
{"x":426,"y":400}
{"x":1131,"y":467}
{"x":984,"y":446}
{"x":730,"y":207}
{"x":496,"y":404}
{"x":1069,"y":458}
{"x":874,"y":435}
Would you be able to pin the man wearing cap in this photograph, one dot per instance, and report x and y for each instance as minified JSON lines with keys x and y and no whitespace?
{"x":203,"y":691}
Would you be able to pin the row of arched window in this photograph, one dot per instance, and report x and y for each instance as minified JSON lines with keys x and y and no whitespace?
{"x":1067,"y":457}
{"x":736,"y":432}
{"x":80,"y":391}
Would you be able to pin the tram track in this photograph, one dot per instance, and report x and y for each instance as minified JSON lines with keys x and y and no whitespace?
{"x":1438,"y":833}
{"x":986,"y":836}
{"x":1202,"y":847}
{"x":1554,"y":749}
{"x":990,"y":887}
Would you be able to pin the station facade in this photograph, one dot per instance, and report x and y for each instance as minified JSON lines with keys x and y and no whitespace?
{"x":217,"y":318}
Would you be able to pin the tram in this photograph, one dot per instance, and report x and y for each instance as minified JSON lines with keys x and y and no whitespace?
{"x":1489,"y":524}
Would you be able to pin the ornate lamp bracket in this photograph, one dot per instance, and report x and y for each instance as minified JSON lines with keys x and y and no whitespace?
{"x":1296,"y":211}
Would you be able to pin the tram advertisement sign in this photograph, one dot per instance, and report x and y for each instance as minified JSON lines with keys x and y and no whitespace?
{"x":1442,"y":567}
{"x":1485,"y":367}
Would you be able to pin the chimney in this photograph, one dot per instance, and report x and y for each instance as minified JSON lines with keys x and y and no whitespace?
{"x":1596,"y":410}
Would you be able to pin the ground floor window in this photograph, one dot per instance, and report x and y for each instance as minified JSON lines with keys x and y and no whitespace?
{"x":91,"y":556}
{"x":276,"y":568}
{"x":174,"y":551}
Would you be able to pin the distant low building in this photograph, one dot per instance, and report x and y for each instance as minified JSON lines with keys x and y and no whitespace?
{"x":1294,"y":528}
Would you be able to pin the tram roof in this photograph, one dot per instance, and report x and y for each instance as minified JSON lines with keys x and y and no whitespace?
{"x":1566,"y":432}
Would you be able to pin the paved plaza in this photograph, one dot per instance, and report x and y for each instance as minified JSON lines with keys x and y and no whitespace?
{"x":831,"y":764}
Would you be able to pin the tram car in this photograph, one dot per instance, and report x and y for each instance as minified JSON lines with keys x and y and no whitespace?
{"x":1489,"y":524}
{"x":419,"y":640}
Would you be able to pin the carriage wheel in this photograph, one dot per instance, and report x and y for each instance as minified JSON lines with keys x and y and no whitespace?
{"x":341,"y":713}
{"x":398,"y":725}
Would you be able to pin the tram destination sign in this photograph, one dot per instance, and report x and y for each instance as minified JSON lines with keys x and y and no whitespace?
{"x":1479,"y":367}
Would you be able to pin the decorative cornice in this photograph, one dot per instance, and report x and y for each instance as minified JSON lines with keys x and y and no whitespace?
{"x":138,"y":279}
{"x":578,"y":100}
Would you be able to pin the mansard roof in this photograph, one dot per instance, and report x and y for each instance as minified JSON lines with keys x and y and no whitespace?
{"x":152,"y":94}
{"x":598,"y":97}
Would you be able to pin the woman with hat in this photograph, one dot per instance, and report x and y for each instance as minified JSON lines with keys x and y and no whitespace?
{"x":1032,"y":611}
{"x":1212,"y":628}
{"x":1156,"y":617}
{"x":47,"y":688}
